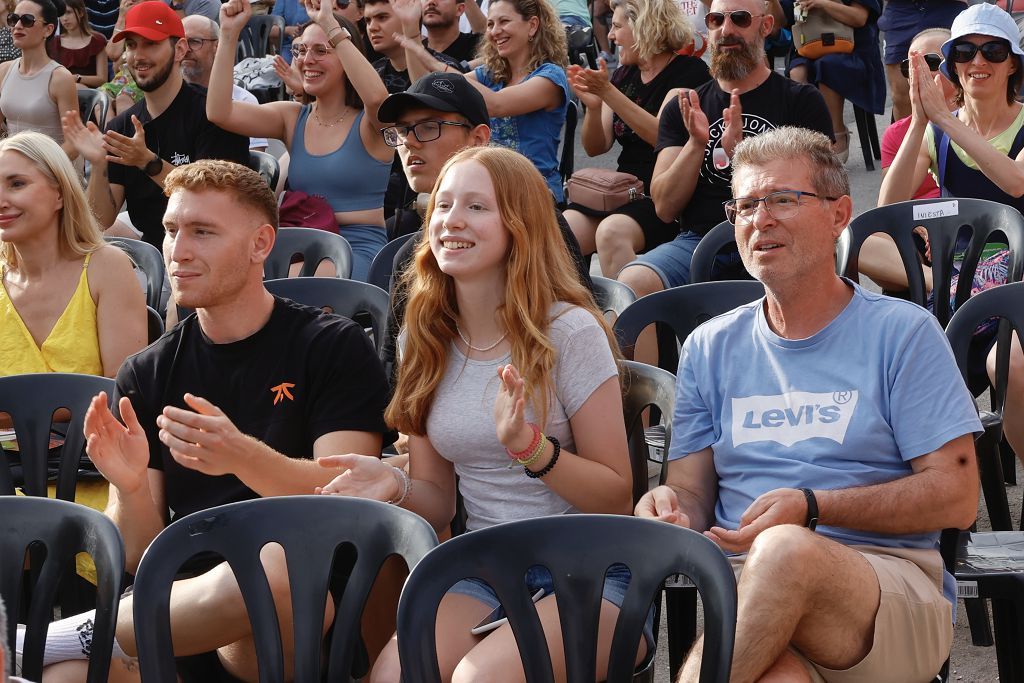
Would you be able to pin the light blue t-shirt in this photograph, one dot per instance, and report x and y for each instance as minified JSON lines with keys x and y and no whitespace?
{"x":849,"y":406}
{"x":534,"y":135}
{"x":294,"y":14}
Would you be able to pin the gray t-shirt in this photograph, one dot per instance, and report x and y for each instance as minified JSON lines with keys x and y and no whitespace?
{"x":461,"y":423}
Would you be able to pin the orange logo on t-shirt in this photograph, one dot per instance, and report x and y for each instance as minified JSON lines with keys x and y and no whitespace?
{"x":281,"y":392}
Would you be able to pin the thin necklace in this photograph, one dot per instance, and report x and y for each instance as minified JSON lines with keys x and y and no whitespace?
{"x":476,"y":348}
{"x":316,"y":116}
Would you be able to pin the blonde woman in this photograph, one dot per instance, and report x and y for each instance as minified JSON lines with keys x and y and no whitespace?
{"x":68,"y":301}
{"x":625,"y":109}
{"x":509,"y":380}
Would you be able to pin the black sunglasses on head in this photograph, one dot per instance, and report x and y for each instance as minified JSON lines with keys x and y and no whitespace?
{"x":931,"y":59}
{"x":27,"y":20}
{"x":994,"y":51}
{"x":741,"y":18}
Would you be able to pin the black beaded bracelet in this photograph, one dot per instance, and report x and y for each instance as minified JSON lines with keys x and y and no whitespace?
{"x":551,"y":463}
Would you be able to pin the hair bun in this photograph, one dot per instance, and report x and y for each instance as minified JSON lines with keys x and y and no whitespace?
{"x":60,"y":6}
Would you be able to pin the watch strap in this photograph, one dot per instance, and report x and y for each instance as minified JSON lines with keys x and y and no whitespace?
{"x":337,"y":35}
{"x":812,"y":509}
{"x":153,"y":166}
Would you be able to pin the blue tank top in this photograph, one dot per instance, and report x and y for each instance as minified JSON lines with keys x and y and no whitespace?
{"x":957,"y":179}
{"x":348,"y":178}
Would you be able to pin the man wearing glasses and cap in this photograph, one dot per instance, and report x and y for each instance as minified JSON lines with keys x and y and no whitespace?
{"x":167,"y":128}
{"x":827,"y":466}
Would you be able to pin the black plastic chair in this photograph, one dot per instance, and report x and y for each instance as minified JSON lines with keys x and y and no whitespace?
{"x":311,"y":530}
{"x":254,"y":40}
{"x":267,"y":166}
{"x":987,"y":222}
{"x":382,"y":268}
{"x":150,"y":261}
{"x":577,"y":550}
{"x":63,"y":530}
{"x":867,"y":132}
{"x":154,"y":325}
{"x":612,"y":296}
{"x":312,"y":246}
{"x":89,"y":101}
{"x":31,"y":400}
{"x":646,"y":386}
{"x":348,"y":298}
{"x":682,"y":309}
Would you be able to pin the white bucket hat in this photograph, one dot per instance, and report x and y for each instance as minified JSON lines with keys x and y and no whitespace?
{"x":982,"y":19}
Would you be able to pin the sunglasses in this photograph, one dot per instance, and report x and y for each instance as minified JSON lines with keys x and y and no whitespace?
{"x":994,"y":51}
{"x":27,"y":20}
{"x":741,"y":18}
{"x":931,"y":59}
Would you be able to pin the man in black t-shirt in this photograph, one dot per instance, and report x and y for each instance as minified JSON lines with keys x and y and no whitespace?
{"x":167,"y":128}
{"x":696,"y":140}
{"x":441,"y":20}
{"x":233,"y":403}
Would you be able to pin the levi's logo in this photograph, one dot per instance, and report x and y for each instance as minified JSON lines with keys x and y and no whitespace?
{"x":790,"y":418}
{"x":281,"y":392}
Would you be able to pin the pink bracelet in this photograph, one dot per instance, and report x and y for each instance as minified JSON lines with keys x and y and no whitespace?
{"x":529,"y":449}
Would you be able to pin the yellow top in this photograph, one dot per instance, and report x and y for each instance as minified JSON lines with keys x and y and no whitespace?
{"x":73,"y":344}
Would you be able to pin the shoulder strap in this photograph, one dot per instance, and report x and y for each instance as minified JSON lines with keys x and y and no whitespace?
{"x":941,"y":152}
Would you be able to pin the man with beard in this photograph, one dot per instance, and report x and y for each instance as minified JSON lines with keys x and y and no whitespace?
{"x":696,"y":139}
{"x":167,"y":128}
{"x":441,"y":20}
{"x":202,"y":35}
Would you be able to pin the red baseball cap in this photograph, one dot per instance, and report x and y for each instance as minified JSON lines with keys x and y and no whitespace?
{"x":152,"y":20}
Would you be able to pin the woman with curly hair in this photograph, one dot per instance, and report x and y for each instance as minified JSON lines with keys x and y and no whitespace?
{"x":625,"y":109}
{"x":509,"y":380}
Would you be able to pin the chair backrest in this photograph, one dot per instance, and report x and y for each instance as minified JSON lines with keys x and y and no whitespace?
{"x":944,"y":219}
{"x":577,"y":550}
{"x":646,"y":386}
{"x":154,"y":324}
{"x":254,"y":40}
{"x":64,"y":529}
{"x":150,"y":261}
{"x":313,"y":246}
{"x":310,"y":529}
{"x":31,"y":401}
{"x":344,"y":297}
{"x":383,"y":266}
{"x":567,"y":161}
{"x":612,"y":296}
{"x":92,"y":106}
{"x":682,"y":309}
{"x":267,"y":166}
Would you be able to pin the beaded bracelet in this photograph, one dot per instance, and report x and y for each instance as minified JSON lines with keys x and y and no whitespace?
{"x":551,"y":463}
{"x":404,"y":482}
{"x":529,"y":450}
{"x":526,"y":462}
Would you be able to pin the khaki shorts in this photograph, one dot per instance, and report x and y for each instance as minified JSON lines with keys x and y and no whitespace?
{"x":913,"y":625}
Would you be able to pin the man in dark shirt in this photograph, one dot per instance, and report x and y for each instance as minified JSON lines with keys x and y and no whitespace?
{"x":167,"y":128}
{"x":441,"y":20}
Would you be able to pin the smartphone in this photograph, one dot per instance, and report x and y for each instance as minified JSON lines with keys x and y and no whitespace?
{"x":495,"y":620}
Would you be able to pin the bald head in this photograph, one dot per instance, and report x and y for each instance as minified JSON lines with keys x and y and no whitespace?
{"x":202,"y":34}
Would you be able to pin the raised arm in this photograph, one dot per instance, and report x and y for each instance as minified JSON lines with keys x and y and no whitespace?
{"x":677,"y":168}
{"x":477,"y":18}
{"x":534,"y":94}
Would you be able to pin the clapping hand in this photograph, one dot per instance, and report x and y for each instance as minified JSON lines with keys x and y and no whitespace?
{"x":662,"y":503}
{"x":87,"y":138}
{"x":780,"y":506}
{"x":128,"y":151}
{"x":694,"y":119}
{"x":119,"y":451}
{"x":363,"y":476}
{"x":509,"y":410}
{"x":732,"y":117}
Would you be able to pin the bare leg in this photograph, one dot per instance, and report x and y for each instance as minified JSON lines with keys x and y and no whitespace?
{"x":835,"y":103}
{"x":880,"y":260}
{"x":899,"y":90}
{"x":644,"y":281}
{"x":1013,"y":411}
{"x":619,"y":237}
{"x":802,"y":589}
{"x":600,"y":28}
{"x":584,"y":228}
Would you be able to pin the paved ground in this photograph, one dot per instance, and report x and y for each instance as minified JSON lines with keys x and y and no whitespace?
{"x":969,"y":664}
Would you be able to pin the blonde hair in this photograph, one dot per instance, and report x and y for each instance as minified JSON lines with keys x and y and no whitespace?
{"x":244,"y":184}
{"x":658,"y":26}
{"x":548,"y":44}
{"x":78,"y":231}
{"x":539,"y":273}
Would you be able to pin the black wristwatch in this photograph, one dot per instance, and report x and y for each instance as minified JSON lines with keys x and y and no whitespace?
{"x":154,"y":166}
{"x":812,"y":509}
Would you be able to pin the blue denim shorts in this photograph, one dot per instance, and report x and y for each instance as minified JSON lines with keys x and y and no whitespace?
{"x":615,"y":584}
{"x":671,"y":260}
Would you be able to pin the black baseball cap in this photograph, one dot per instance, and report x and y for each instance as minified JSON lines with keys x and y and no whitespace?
{"x":441,"y":91}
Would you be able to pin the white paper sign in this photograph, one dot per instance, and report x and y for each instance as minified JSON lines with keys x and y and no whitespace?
{"x":923,"y":212}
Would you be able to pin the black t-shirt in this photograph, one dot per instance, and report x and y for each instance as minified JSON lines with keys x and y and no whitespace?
{"x":180,"y":135}
{"x":398,"y":81}
{"x":463,"y":48}
{"x":776,"y":102}
{"x":306,"y":373}
{"x":637,"y":156}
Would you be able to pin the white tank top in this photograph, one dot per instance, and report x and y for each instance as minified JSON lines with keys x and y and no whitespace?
{"x":26,"y":104}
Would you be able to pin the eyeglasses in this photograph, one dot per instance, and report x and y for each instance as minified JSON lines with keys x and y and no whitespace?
{"x":741,"y":18}
{"x":780,"y":205}
{"x":425,"y":131}
{"x":994,"y":51}
{"x":27,"y":20}
{"x":197,"y":43}
{"x":931,"y":59}
{"x":319,"y":50}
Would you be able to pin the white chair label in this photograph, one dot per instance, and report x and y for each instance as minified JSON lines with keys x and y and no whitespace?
{"x":966,"y":589}
{"x":923,"y":212}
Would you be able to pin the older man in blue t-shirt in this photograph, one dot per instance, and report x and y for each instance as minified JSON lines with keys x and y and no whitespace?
{"x":827,"y":461}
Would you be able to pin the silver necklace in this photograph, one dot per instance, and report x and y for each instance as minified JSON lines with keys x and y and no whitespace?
{"x":476,"y":348}
{"x":316,"y":115}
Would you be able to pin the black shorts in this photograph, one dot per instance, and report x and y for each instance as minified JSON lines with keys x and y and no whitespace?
{"x":642,"y":211}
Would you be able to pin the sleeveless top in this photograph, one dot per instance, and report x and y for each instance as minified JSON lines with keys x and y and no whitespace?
{"x":26,"y":104}
{"x":348,"y":178}
{"x":73,"y":344}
